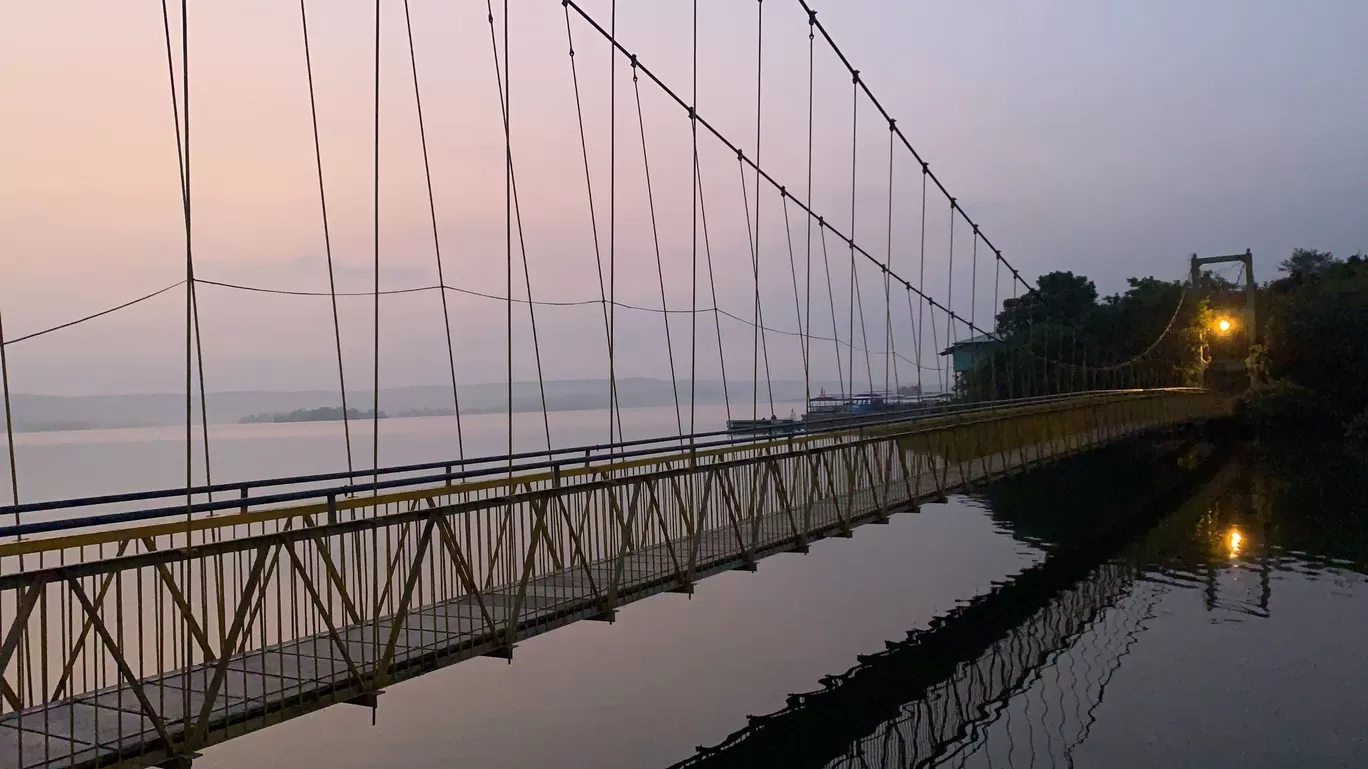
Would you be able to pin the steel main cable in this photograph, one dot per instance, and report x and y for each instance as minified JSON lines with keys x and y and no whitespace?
{"x":375,"y":200}
{"x":1182,"y":296}
{"x":191,"y":322}
{"x":732,"y":147}
{"x":612,"y":212}
{"x":950,"y":339}
{"x":436,"y":239}
{"x":712,"y":285}
{"x":192,"y":306}
{"x":367,"y":294}
{"x":755,"y":250}
{"x":718,"y":311}
{"x":921,"y":274}
{"x":889,"y":343}
{"x":855,"y":295}
{"x":327,"y":234}
{"x":815,"y":24}
{"x":505,"y":103}
{"x":655,"y":240}
{"x":375,"y":400}
{"x":836,"y":49}
{"x":758,"y":341}
{"x":797,"y":306}
{"x":854,"y":143}
{"x":831,"y":300}
{"x":593,"y":218}
{"x":9,"y":415}
{"x":93,"y":316}
{"x":693,"y":243}
{"x":807,"y":278}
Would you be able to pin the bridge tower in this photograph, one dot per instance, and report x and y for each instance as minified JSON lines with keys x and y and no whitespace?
{"x":1224,"y":371}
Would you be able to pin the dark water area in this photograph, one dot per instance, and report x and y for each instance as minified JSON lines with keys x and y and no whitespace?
{"x":1129,"y":608}
{"x":1226,"y":630}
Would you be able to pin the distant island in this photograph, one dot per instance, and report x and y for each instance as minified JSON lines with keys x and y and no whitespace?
{"x":321,"y":414}
{"x":424,"y":412}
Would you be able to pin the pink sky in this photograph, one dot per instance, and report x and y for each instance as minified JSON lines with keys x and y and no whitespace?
{"x":1109,"y":141}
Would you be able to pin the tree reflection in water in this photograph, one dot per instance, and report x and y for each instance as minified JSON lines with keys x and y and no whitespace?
{"x":1016,"y":677}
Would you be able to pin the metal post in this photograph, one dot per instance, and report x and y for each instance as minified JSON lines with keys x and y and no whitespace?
{"x":1251,"y":327}
{"x":1251,"y":324}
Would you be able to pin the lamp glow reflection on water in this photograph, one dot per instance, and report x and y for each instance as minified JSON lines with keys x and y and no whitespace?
{"x":1233,"y":542}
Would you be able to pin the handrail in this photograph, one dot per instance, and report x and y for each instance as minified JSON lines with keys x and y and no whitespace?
{"x":502,"y":459}
{"x":331,"y":494}
{"x":514,"y":496}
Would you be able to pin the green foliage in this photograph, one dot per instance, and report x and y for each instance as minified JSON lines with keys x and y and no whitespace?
{"x":1305,"y":262}
{"x":1062,"y":338}
{"x":1059,"y":297}
{"x":1356,"y":433}
{"x":1313,"y":336}
{"x":1317,"y":331}
{"x":1285,"y":409}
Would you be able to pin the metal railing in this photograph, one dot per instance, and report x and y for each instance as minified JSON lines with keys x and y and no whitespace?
{"x":94,"y":511}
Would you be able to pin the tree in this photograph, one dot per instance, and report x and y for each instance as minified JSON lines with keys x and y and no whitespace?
{"x":1317,"y":332}
{"x":1305,"y":262}
{"x":1059,"y":338}
{"x":1059,"y":297}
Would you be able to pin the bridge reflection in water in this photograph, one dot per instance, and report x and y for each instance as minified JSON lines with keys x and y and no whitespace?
{"x":1013,"y":678}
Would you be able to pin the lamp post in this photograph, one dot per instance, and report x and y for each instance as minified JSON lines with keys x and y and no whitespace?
{"x":1224,"y":325}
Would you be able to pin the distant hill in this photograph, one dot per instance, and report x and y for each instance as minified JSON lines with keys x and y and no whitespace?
{"x":61,"y":412}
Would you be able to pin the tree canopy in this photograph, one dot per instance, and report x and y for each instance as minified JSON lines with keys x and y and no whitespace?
{"x":1061,"y":336}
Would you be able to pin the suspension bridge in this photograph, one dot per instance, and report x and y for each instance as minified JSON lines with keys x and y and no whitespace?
{"x":139,"y":628}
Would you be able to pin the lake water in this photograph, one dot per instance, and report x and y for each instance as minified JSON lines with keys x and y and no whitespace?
{"x":59,"y":465}
{"x":1231,"y":633}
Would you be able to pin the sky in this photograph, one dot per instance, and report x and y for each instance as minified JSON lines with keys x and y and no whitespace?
{"x":1105,"y":138}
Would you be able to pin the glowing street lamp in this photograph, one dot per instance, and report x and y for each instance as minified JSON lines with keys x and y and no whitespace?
{"x":1224,"y":325}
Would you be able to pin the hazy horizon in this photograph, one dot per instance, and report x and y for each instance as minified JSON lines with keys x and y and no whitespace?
{"x":36,"y":412}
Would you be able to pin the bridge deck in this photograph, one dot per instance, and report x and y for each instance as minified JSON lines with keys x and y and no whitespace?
{"x":96,"y":728}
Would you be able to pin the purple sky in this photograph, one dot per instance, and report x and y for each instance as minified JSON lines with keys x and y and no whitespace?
{"x":1110,"y":139}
